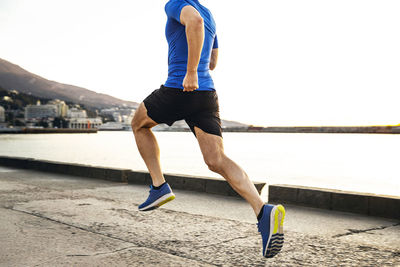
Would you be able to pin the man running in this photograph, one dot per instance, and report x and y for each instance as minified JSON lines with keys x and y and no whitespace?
{"x":189,"y":94}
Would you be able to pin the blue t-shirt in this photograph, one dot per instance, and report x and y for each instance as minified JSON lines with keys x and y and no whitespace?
{"x":178,"y":48}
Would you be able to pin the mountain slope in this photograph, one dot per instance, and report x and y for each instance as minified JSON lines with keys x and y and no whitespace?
{"x":13,"y":77}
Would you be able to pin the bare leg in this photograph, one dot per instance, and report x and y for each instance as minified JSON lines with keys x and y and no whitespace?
{"x":213,"y":153}
{"x":147,"y":144}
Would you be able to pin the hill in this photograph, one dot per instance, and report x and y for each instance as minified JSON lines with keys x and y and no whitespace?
{"x":13,"y":77}
{"x":32,"y":87}
{"x":12,"y":100}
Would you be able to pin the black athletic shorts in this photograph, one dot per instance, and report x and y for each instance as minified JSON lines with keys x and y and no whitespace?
{"x":197,"y":108}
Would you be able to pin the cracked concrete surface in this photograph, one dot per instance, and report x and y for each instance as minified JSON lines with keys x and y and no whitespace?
{"x":55,"y":220}
{"x":358,"y":231}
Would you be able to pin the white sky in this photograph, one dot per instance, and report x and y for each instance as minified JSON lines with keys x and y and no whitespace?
{"x":292,"y":62}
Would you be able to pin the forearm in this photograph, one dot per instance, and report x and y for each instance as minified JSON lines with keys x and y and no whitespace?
{"x":213,"y":59}
{"x":195,"y":40}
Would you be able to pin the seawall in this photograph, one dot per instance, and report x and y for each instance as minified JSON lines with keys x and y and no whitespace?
{"x":355,"y":202}
{"x":361,"y":203}
{"x":184,"y":182}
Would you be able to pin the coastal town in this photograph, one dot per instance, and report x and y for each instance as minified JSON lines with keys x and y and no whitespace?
{"x":58,"y":116}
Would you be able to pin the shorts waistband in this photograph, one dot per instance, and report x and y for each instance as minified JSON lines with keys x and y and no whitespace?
{"x":170,"y":88}
{"x":162,"y":87}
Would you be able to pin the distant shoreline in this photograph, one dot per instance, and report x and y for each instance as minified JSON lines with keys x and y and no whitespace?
{"x":44,"y":130}
{"x":329,"y":129}
{"x":250,"y":129}
{"x":305,"y":129}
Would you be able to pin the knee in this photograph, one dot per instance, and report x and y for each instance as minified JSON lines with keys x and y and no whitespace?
{"x":135,"y":124}
{"x":214,"y":163}
{"x":138,"y":121}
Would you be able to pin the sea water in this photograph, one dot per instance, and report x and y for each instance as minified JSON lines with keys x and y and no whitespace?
{"x":356,"y":162}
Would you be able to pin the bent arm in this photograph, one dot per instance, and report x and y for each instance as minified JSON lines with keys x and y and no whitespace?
{"x":213,"y":59}
{"x":194,"y":27}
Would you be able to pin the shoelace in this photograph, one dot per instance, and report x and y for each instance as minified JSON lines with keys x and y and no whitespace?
{"x":150,"y":191}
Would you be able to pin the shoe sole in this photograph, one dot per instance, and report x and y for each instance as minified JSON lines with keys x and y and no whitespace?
{"x":276,"y":237}
{"x":159,"y":202}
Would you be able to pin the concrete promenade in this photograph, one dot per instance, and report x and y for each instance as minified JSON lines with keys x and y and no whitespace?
{"x":49,"y":219}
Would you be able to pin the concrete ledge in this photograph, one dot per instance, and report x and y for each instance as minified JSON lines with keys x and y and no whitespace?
{"x":369,"y":204}
{"x":21,"y":163}
{"x":191,"y":183}
{"x":119,"y":175}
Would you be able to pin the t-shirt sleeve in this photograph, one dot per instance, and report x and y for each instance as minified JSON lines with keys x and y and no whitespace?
{"x":173,"y":9}
{"x":215,"y":45}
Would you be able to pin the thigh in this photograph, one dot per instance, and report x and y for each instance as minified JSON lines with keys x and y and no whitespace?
{"x":141,"y":119}
{"x":211,"y":145}
{"x":163,"y":105}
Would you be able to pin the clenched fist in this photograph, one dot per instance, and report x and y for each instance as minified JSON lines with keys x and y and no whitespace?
{"x":190,"y":82}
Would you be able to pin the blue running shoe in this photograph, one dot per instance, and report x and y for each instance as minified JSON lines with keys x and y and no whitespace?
{"x":157,"y":197}
{"x":271,"y":228}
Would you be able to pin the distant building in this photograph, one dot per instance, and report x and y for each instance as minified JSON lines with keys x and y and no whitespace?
{"x":7,"y":98}
{"x":77,"y":113}
{"x":127,"y":119}
{"x":117,"y":117}
{"x":108,"y":111}
{"x":84,"y":123}
{"x":2,"y":114}
{"x":121,"y":111}
{"x":62,"y":108}
{"x":39,"y":111}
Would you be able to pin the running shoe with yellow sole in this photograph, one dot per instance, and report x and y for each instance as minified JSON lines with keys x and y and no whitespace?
{"x":157,"y":197}
{"x":270,"y":226}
